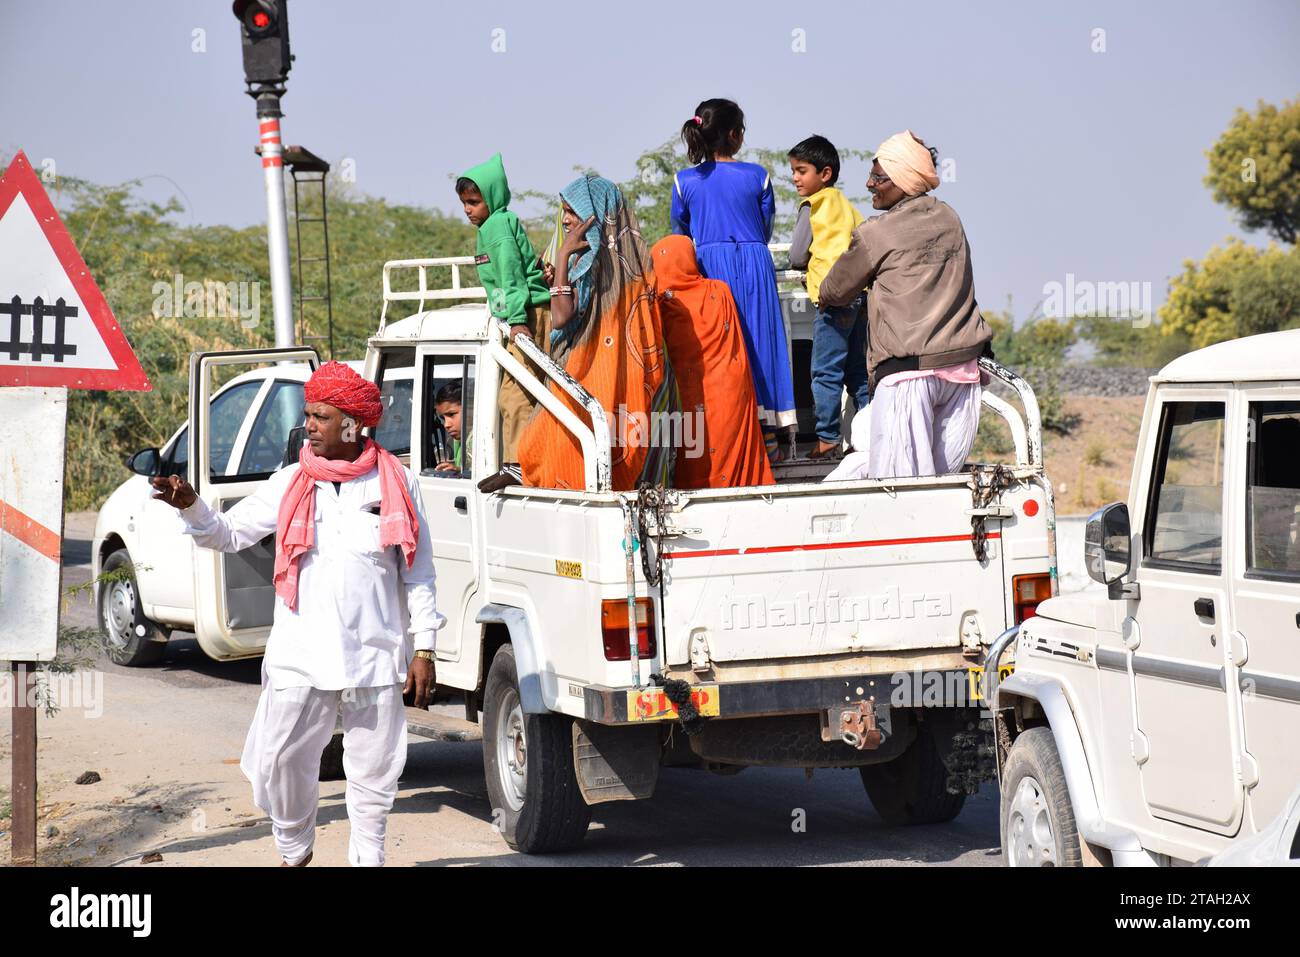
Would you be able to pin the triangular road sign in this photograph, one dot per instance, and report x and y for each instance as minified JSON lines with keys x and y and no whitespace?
{"x":55,"y":327}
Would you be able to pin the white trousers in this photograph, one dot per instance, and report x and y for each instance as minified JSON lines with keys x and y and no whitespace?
{"x":282,"y":761}
{"x":923,"y":426}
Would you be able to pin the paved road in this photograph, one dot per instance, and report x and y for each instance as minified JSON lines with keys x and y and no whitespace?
{"x":192,"y":712}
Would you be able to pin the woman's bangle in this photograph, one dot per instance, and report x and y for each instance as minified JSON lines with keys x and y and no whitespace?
{"x":561,"y":290}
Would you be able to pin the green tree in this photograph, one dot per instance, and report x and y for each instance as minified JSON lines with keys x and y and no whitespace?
{"x":1120,"y":342}
{"x":1035,"y":350}
{"x":1237,"y":290}
{"x":1255,"y":169}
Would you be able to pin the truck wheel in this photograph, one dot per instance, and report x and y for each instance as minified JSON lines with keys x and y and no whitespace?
{"x":912,"y":788}
{"x":528,"y":763}
{"x":133,"y":640}
{"x":1038,"y":828}
{"x":331,"y":759}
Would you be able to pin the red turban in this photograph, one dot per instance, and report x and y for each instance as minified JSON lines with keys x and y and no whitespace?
{"x":336,"y":384}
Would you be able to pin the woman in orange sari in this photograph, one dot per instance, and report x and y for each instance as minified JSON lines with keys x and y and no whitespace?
{"x":706,"y":347}
{"x":606,"y":335}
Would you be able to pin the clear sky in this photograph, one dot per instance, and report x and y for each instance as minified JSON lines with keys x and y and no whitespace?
{"x":1067,"y":160}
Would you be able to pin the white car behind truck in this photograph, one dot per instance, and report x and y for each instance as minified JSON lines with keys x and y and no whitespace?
{"x":601,"y":635}
{"x":1157,"y":722}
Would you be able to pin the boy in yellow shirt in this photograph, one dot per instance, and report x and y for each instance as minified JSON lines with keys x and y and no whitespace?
{"x":822,"y":231}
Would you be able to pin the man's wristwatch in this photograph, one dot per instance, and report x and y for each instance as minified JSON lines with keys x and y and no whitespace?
{"x":425,"y":654}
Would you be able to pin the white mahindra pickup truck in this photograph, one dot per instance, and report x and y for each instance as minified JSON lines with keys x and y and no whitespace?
{"x":602,"y":635}
{"x":1157,"y":722}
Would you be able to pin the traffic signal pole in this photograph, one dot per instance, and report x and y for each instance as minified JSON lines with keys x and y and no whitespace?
{"x":264,"y":30}
{"x":277,"y":222}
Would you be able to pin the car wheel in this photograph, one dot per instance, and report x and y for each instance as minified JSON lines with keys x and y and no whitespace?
{"x":1038,"y":828}
{"x":528,"y":763}
{"x":912,"y":788}
{"x":131,"y":638}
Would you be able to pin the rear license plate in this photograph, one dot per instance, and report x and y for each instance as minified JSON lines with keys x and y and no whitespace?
{"x":651,"y":704}
{"x":975,"y":680}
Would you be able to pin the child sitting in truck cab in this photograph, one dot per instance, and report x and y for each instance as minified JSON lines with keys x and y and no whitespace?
{"x":447,"y":403}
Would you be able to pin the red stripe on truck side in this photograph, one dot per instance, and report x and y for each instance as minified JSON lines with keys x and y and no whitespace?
{"x":824,"y":546}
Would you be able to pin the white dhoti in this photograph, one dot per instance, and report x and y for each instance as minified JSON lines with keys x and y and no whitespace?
{"x":282,"y":761}
{"x":922,"y":426}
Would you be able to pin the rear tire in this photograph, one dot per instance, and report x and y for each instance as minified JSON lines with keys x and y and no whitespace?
{"x":1037,"y":818}
{"x":528,"y":764}
{"x":912,"y":788}
{"x":132,"y":639}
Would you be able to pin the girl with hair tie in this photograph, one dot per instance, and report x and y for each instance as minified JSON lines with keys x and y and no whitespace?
{"x":728,"y":208}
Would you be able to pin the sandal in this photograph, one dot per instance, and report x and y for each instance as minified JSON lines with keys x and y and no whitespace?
{"x":508,"y":476}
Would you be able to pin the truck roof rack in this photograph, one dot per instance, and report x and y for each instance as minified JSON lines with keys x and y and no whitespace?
{"x":423,"y":292}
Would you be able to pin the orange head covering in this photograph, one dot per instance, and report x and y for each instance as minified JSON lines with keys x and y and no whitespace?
{"x":907,"y":161}
{"x":338,"y":385}
{"x":683,"y":291}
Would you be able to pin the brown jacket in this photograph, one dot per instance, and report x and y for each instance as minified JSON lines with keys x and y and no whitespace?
{"x":915,"y":263}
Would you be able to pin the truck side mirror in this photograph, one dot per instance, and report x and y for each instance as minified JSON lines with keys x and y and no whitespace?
{"x":1106,"y":544}
{"x":146,"y":462}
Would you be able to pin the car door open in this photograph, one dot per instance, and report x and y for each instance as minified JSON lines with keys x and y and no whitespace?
{"x":234,"y":599}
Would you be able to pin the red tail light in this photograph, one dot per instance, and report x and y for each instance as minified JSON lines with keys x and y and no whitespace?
{"x":1027,"y":591}
{"x":613,"y":628}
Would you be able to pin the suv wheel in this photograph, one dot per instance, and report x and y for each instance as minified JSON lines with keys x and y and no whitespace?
{"x":132,"y":639}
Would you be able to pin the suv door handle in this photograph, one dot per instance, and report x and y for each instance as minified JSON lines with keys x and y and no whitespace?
{"x":1204,"y":608}
{"x":460,"y":504}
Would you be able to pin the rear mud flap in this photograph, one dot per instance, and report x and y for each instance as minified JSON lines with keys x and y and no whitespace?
{"x":615,"y":763}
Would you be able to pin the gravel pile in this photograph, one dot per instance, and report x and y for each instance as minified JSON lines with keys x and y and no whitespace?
{"x":1103,"y":381}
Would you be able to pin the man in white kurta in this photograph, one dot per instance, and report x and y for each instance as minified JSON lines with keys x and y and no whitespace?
{"x":361,"y":615}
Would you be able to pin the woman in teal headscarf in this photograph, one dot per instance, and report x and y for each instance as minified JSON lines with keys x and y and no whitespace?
{"x":606,"y":336}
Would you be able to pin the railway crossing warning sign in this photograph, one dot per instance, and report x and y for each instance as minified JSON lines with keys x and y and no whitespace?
{"x":56,"y":329}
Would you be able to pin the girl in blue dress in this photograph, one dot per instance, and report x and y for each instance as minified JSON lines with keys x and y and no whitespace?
{"x":728,"y":207}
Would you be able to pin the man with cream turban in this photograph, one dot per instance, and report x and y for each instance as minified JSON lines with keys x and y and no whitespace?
{"x":926,"y":333}
{"x":353,"y":574}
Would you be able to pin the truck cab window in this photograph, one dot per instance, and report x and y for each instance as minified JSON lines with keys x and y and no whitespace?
{"x":1184,"y":523}
{"x":448,"y":416}
{"x":1273,"y":490}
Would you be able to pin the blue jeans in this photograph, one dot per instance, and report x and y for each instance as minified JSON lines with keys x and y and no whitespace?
{"x":839,"y":361}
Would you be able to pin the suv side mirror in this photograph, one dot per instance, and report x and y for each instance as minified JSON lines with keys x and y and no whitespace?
{"x":1106,"y":544}
{"x":146,"y":462}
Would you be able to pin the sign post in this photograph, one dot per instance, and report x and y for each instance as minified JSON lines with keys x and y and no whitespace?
{"x":56,"y":333}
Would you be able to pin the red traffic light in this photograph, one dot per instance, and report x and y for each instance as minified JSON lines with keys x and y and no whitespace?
{"x":259,"y":16}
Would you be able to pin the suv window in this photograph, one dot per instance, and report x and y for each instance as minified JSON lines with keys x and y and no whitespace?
{"x":396,"y":387}
{"x":280,"y":413}
{"x":1273,"y":490}
{"x":1184,"y":523}
{"x":448,"y":387}
{"x":228,"y":412}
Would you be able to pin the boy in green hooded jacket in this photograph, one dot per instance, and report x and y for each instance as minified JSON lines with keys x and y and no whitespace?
{"x":509,"y":270}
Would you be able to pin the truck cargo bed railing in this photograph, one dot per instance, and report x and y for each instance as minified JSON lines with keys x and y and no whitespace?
{"x":423,"y":292}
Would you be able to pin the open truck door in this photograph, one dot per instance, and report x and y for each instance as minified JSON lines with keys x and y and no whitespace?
{"x":234,"y":598}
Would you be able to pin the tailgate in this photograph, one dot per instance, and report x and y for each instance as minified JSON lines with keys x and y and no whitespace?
{"x":797,"y":573}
